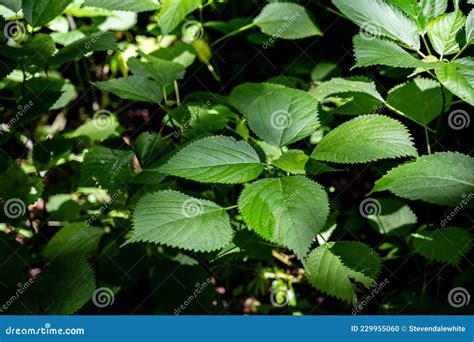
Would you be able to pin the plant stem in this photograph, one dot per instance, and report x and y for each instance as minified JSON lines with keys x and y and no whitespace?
{"x":233,"y":33}
{"x":176,"y":90}
{"x":459,"y":53}
{"x":333,"y":11}
{"x":426,"y":44}
{"x":231,"y":207}
{"x":395,"y":110}
{"x":427,"y":141}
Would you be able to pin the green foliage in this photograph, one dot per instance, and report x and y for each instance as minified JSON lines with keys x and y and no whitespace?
{"x":118,"y":5}
{"x":172,"y":12}
{"x":443,"y":30}
{"x":40,"y":12}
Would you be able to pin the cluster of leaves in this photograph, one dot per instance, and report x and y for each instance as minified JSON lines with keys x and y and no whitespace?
{"x":211,"y":184}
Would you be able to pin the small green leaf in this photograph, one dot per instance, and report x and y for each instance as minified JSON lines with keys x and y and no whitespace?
{"x":421,"y":11}
{"x":173,"y":12}
{"x":277,"y":114}
{"x":215,"y":159}
{"x":14,"y":5}
{"x":133,"y":88}
{"x":289,"y":211}
{"x":73,"y":239}
{"x":442,"y":32}
{"x":286,"y":21}
{"x":341,"y":86}
{"x":40,"y":12}
{"x":420,"y":99}
{"x":376,"y":17}
{"x":390,"y":215}
{"x":458,"y":77}
{"x":365,"y":138}
{"x":177,"y":220}
{"x":442,"y":178}
{"x":332,"y":267}
{"x":129,"y":5}
{"x":163,"y":71}
{"x":292,"y":161}
{"x":448,"y":245}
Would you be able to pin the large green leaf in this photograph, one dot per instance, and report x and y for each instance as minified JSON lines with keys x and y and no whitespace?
{"x":341,"y":86}
{"x":332,"y":267}
{"x":442,"y":32}
{"x":365,"y":138}
{"x":73,"y":239}
{"x":40,"y":12}
{"x":174,"y":219}
{"x":215,"y":159}
{"x":120,"y":5}
{"x":100,"y":41}
{"x":381,"y":52}
{"x":443,"y":178}
{"x":458,"y":77}
{"x":421,"y":11}
{"x":277,"y":114}
{"x":420,"y":99}
{"x":289,"y":211}
{"x":379,"y":18}
{"x":470,"y":28}
{"x":286,"y":21}
{"x":163,"y":71}
{"x":14,"y":5}
{"x":133,"y":88}
{"x":174,"y":11}
{"x":446,"y":245}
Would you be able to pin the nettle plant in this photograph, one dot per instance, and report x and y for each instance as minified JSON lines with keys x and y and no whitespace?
{"x":222,"y":176}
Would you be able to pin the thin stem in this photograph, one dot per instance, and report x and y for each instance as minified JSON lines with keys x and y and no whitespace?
{"x":164,"y":96}
{"x":426,"y":44}
{"x":459,"y":53}
{"x":333,"y":11}
{"x":395,"y":110}
{"x":233,"y":33}
{"x":427,"y":141}
{"x":176,"y":90}
{"x":231,"y":207}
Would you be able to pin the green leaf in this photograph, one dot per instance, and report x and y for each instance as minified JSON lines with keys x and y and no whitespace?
{"x":381,"y":52}
{"x":135,"y":88}
{"x":389,"y":215}
{"x":442,"y":178}
{"x":150,"y":148}
{"x":289,"y":211}
{"x":119,"y":5}
{"x":65,"y":285}
{"x":448,"y":245}
{"x":379,"y":18}
{"x":40,"y":12}
{"x":443,"y":30}
{"x":73,"y":239}
{"x":292,"y":161}
{"x":277,"y":114}
{"x":365,"y":138}
{"x":173,"y":12}
{"x":421,"y":11}
{"x":458,"y":77}
{"x":332,"y":267}
{"x":163,"y":71}
{"x":341,"y":86}
{"x":470,"y":28}
{"x":177,"y":220}
{"x":14,"y":5}
{"x":215,"y":159}
{"x":286,"y":21}
{"x":102,"y":126}
{"x":110,"y":168}
{"x":100,"y":41}
{"x":420,"y":99}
